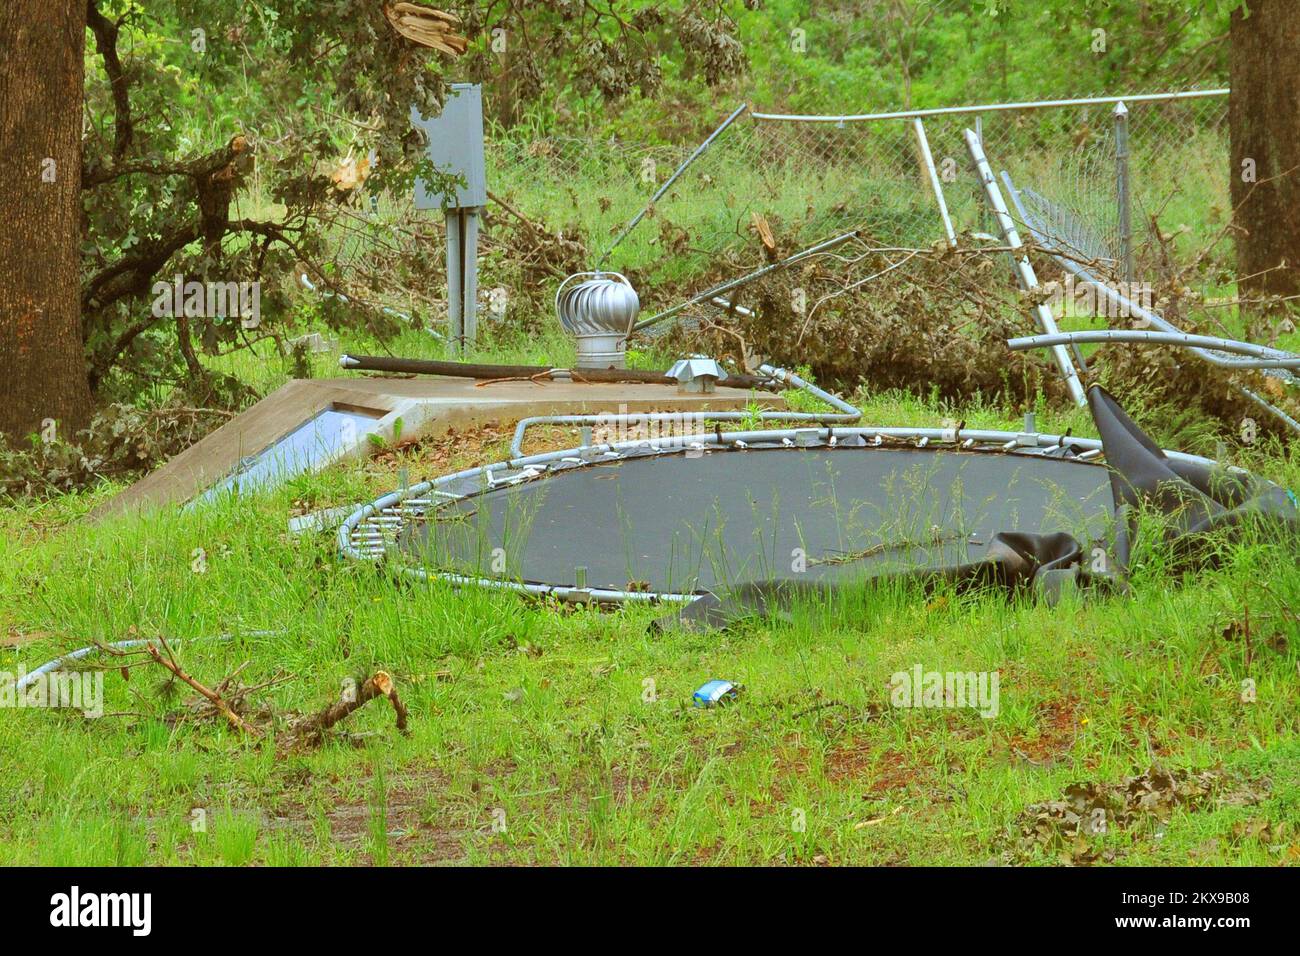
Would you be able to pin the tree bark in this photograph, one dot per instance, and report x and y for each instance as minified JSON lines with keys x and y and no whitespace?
{"x":1264,"y":119}
{"x":42,"y":357}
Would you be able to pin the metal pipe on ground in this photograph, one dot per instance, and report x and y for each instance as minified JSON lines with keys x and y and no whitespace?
{"x":845,"y":413}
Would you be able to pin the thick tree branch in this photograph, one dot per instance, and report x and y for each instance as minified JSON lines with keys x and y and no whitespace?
{"x":104,"y":360}
{"x":213,"y":175}
{"x":105,"y":31}
{"x":134,"y":276}
{"x":131,"y":275}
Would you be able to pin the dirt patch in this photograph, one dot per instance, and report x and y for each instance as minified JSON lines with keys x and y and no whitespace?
{"x":1058,"y":723}
{"x":881,"y":771}
{"x":461,"y":448}
{"x":626,"y":787}
{"x":414,"y":835}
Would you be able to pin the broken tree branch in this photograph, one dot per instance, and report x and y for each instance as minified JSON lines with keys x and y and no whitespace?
{"x":217,"y":701}
{"x":312,"y":729}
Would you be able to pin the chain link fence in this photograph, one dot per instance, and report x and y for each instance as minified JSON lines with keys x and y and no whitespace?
{"x":799,"y":181}
{"x":811,"y":178}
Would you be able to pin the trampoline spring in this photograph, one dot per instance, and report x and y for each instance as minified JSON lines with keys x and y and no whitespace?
{"x":923,"y":441}
{"x":1010,"y":445}
{"x":1090,"y":454}
{"x":740,"y":443}
{"x":968,"y":443}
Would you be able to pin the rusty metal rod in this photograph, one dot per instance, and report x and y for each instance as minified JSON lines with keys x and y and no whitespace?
{"x":407,"y":366}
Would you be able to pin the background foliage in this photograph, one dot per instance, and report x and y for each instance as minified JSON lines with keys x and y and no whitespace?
{"x":269,"y":141}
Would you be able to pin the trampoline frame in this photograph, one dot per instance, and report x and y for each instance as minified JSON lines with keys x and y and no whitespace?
{"x":370,"y":533}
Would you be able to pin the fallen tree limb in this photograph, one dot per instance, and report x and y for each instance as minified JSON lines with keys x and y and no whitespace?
{"x":217,"y":701}
{"x":311,"y":730}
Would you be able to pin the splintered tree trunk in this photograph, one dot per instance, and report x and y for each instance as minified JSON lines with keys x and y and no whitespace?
{"x":1264,"y":117}
{"x":42,"y":362}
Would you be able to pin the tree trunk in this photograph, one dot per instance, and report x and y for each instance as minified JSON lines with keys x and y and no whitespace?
{"x":42,"y":359}
{"x":1264,"y":118}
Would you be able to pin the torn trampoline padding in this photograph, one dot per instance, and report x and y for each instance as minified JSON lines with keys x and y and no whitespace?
{"x":1199,"y":498}
{"x":1200,"y":495}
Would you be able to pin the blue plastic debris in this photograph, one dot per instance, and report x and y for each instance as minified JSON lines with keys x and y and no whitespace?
{"x":715,"y":692}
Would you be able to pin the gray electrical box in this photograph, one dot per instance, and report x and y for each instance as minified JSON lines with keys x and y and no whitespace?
{"x":455,"y":146}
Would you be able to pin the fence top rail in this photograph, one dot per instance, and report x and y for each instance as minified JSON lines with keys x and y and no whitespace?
{"x":989,"y":107}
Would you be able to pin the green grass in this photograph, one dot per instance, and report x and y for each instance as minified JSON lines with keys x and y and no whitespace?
{"x":535,"y":738}
{"x":555,"y":735}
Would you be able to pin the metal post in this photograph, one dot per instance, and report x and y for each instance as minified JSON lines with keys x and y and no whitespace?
{"x":469,"y":277}
{"x":927,"y":160}
{"x":455,"y":300}
{"x":979,"y":135}
{"x":1122,"y":193}
{"x":1024,"y":271}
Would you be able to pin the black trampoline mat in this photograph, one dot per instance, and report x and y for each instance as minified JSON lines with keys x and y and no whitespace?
{"x":679,"y":524}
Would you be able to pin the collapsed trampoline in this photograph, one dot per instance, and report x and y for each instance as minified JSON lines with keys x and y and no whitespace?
{"x":721,"y":520}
